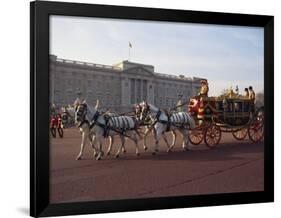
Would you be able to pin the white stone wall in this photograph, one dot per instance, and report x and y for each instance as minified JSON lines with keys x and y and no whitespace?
{"x":117,"y":87}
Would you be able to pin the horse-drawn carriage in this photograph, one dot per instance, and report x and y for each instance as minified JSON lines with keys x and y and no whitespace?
{"x":56,"y":125}
{"x":233,"y":114}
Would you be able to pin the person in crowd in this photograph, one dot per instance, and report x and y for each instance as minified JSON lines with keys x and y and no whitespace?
{"x":53,"y":110}
{"x":246,"y":91}
{"x":252,"y":94}
{"x":179,"y":103}
{"x":252,"y":97}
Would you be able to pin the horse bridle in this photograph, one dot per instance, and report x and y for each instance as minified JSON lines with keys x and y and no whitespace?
{"x":64,"y":116}
{"x":144,"y":111}
{"x":81,"y":111}
{"x":95,"y":119}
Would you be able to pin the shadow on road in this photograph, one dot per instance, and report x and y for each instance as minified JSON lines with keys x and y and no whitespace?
{"x":221,"y":152}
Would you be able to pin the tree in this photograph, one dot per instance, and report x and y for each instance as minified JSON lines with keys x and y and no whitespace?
{"x":259,"y":99}
{"x":224,"y":92}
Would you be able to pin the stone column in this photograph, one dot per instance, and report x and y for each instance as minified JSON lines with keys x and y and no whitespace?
{"x":52,"y":81}
{"x":141,"y":90}
{"x":125,"y":92}
{"x":135,"y":90}
{"x":150,"y":92}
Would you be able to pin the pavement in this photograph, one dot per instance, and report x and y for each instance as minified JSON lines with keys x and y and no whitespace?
{"x":233,"y":166}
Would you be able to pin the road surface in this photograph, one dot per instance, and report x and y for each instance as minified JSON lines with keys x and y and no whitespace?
{"x":233,"y":166}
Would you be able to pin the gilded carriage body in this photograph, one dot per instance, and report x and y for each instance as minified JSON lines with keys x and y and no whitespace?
{"x":234,"y":110}
{"x":230,"y":112}
{"x":202,"y":108}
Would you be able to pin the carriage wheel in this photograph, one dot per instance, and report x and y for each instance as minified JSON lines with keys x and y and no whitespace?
{"x":256,"y":128}
{"x":212,"y":136}
{"x":195,"y":136}
{"x":240,"y":134}
{"x":53,"y":132}
{"x":60,"y":131}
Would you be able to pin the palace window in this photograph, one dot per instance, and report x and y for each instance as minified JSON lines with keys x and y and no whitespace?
{"x":89,"y":83}
{"x":98,"y":84}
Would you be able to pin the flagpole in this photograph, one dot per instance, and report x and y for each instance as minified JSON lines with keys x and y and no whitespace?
{"x":130,"y":46}
{"x":129,"y":53}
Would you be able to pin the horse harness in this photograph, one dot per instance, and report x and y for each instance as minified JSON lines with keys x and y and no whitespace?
{"x":106,"y":128}
{"x":166,"y":122}
{"x":83,"y":117}
{"x":95,"y":122}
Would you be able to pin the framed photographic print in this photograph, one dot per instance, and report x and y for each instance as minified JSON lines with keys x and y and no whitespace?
{"x":141,"y":109}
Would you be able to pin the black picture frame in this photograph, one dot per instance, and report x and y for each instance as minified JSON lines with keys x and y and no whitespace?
{"x":39,"y":107}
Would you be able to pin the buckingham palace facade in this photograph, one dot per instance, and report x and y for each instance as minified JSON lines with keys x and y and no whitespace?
{"x":117,"y":87}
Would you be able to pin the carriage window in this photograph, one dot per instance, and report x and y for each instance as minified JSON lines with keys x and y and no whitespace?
{"x":230,"y":106}
{"x":238,"y":106}
{"x":246,"y":107}
{"x":217,"y":105}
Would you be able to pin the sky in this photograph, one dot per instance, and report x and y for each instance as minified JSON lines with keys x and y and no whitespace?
{"x":226,"y":55}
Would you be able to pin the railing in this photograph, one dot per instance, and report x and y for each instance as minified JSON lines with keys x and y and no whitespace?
{"x":87,"y":64}
{"x":180,"y":77}
{"x":173,"y":76}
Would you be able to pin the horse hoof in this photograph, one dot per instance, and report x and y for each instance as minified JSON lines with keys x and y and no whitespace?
{"x":154,"y":153}
{"x":145,"y":148}
{"x":117,"y":156}
{"x":108,"y":153}
{"x":138,"y":154}
{"x":124,"y":151}
{"x":78,"y":158}
{"x":168,"y":150}
{"x":98,"y":158}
